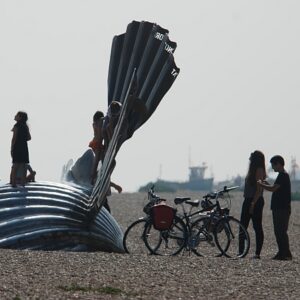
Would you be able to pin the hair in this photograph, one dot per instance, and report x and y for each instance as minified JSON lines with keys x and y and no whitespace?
{"x":98,"y":115}
{"x":257,"y":160}
{"x":115,"y":107}
{"x":23,"y":116}
{"x":277,"y":159}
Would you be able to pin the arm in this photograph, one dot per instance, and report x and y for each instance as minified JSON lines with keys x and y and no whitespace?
{"x":116,"y":187}
{"x":269,"y":187}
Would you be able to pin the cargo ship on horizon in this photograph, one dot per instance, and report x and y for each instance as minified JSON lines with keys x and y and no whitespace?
{"x":196,"y":182}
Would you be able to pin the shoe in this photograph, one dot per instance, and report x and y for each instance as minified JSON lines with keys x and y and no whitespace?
{"x":256,"y":256}
{"x":279,"y":257}
{"x":31,"y":177}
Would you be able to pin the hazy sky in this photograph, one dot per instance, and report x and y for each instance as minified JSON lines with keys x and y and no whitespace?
{"x":238,"y":89}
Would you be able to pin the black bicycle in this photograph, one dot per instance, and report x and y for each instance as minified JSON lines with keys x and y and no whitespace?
{"x":134,"y":240}
{"x":218,"y":228}
{"x":210,"y":231}
{"x":141,"y":237}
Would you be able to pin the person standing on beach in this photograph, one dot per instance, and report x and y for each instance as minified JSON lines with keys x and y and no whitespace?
{"x":253,"y":200}
{"x":19,"y":148}
{"x":280,"y":206}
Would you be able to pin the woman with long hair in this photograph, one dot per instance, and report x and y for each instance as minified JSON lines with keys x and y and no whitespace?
{"x":253,"y":199}
{"x":19,"y":148}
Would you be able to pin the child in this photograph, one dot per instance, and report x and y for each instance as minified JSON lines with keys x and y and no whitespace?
{"x":19,"y":148}
{"x":97,"y":142}
{"x":280,"y":206}
{"x":110,"y":121}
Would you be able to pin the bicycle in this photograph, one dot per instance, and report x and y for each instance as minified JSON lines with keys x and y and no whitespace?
{"x":134,"y":241}
{"x":188,"y":231}
{"x":218,"y":227}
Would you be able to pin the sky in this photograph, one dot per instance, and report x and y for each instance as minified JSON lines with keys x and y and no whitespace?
{"x":238,"y":89}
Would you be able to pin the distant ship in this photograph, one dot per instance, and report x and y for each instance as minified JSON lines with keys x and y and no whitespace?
{"x":196,"y":182}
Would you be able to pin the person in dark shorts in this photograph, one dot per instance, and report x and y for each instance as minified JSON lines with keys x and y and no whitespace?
{"x":19,"y":148}
{"x":280,"y":206}
{"x":253,"y":200}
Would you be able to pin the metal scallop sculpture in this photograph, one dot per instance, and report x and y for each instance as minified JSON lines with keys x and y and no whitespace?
{"x":69,"y":216}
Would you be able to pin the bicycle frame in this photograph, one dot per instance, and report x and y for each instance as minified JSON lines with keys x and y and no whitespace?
{"x":214,"y":212}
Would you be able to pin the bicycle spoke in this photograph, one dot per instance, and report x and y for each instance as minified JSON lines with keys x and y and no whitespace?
{"x":167,"y":242}
{"x":153,"y":238}
{"x":202,"y":238}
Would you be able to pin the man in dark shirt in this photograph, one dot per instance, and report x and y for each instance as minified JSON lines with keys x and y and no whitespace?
{"x":280,"y":206}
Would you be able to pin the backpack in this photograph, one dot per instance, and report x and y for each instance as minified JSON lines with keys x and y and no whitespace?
{"x":162,"y":216}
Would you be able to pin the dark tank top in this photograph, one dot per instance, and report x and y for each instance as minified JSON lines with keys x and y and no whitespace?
{"x":249,"y":190}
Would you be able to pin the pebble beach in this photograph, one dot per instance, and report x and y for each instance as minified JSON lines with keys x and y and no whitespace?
{"x":100,"y":275}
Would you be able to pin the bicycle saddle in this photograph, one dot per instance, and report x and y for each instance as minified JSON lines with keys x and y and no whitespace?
{"x":193,"y":202}
{"x":179,"y":200}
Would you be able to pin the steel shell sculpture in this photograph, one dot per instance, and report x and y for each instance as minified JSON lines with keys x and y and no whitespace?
{"x":69,"y":216}
{"x":141,"y":71}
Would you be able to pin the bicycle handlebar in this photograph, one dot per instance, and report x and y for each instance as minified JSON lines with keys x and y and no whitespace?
{"x":154,"y":197}
{"x":215,"y":194}
{"x":153,"y":200}
{"x":227,"y":189}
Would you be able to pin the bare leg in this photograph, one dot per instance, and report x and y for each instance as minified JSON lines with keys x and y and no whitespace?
{"x":28,"y":166}
{"x":31,"y":176}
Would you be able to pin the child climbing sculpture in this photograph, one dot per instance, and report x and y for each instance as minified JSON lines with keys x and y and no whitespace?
{"x":19,"y":149}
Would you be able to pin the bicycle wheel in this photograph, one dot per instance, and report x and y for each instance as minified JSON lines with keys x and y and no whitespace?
{"x":202,"y":238}
{"x":166,"y":242}
{"x":232,"y":238}
{"x":133,"y":241}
